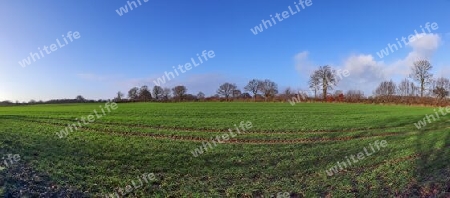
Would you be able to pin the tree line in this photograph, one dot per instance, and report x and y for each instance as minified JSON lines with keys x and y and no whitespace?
{"x":419,"y":88}
{"x":266,"y":90}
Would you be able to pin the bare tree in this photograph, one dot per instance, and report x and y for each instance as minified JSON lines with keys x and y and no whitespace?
{"x":166,"y":93}
{"x":201,"y":96}
{"x":237,"y":94}
{"x":287,"y":93}
{"x":268,"y":88}
{"x":338,"y":93}
{"x":354,"y":96}
{"x":314,"y":84}
{"x":421,"y":74}
{"x":441,"y":87}
{"x":443,"y":82}
{"x":133,"y":93}
{"x":386,"y":88}
{"x":429,"y":90}
{"x":414,"y":89}
{"x":440,"y":92}
{"x":179,"y":92}
{"x":226,"y":90}
{"x":145,"y":94}
{"x":324,"y":77}
{"x":253,"y":87}
{"x":80,"y":98}
{"x":119,"y":96}
{"x":406,"y":88}
{"x":158,"y":92}
{"x":246,"y":96}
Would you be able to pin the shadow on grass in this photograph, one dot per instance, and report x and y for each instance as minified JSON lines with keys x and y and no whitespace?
{"x":22,"y":179}
{"x":432,"y":169}
{"x":57,"y":160}
{"x":429,"y":176}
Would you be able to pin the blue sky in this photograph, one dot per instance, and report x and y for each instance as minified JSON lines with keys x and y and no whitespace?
{"x":115,"y":53}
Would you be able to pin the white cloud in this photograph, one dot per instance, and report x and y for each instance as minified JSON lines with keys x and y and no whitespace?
{"x":426,"y":44}
{"x":302,"y":62}
{"x":423,"y":48}
{"x":366,"y":72}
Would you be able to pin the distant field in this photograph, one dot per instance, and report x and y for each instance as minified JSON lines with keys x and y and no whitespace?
{"x":288,"y":149}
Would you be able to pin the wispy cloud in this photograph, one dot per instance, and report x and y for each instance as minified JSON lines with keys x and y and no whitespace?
{"x":302,"y":62}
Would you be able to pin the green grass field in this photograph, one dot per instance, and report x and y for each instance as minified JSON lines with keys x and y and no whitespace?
{"x":288,"y":149}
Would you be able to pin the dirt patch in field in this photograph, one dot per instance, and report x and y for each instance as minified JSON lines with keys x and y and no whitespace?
{"x":22,"y":181}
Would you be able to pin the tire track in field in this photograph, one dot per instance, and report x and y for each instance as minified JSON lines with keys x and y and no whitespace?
{"x":185,"y":129}
{"x":320,"y":174}
{"x":231,"y":141}
{"x":235,"y":141}
{"x":394,"y":161}
{"x":355,"y":136}
{"x":383,"y":163}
